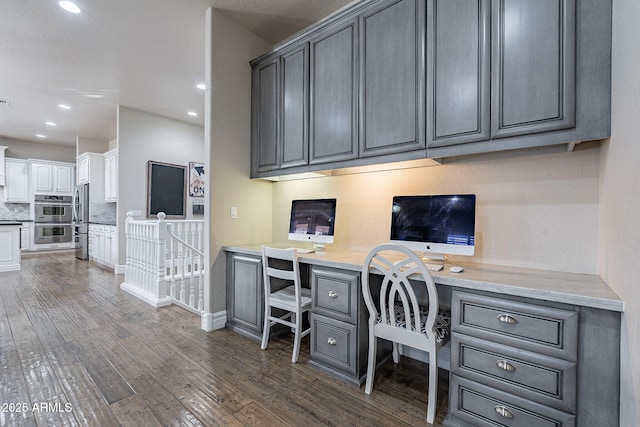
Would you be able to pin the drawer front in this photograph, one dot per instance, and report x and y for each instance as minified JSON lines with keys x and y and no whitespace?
{"x":537,"y":328}
{"x":335,"y":294}
{"x":543,"y":379}
{"x":334,"y":343}
{"x":482,"y":406}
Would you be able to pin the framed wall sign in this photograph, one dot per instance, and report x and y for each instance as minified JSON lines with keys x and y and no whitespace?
{"x":196,"y":179}
{"x":166,"y":189}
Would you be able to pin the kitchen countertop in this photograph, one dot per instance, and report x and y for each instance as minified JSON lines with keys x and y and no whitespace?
{"x":10,"y":222}
{"x":587,"y":290}
{"x":111,"y":223}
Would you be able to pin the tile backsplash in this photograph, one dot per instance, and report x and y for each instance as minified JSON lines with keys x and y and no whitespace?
{"x":103,"y":213}
{"x":13,"y":211}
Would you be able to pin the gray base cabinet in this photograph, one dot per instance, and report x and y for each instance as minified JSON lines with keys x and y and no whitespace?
{"x":516,"y":361}
{"x":245,"y":295}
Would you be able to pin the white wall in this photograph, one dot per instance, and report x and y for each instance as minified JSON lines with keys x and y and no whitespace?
{"x":19,"y":149}
{"x":142,"y":137}
{"x":84,"y":145}
{"x":233,"y":46}
{"x":619,"y":246}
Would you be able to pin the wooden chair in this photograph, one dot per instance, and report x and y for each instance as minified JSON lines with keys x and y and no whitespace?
{"x":396,"y":315}
{"x":293,"y":299}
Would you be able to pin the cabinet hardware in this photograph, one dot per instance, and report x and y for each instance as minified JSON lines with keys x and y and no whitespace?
{"x":506,"y":318}
{"x":332,"y":294}
{"x":331,"y":341}
{"x":503,"y":364}
{"x":503,"y":411}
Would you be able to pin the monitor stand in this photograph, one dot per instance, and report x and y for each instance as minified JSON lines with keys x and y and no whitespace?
{"x":318,"y":246}
{"x":432,"y":258}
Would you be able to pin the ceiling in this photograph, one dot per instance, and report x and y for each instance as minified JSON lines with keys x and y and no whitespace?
{"x":144,"y":54}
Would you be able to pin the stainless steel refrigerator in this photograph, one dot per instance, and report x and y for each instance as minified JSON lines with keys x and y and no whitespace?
{"x":81,"y":220}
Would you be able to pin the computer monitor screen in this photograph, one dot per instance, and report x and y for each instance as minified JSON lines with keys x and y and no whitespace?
{"x":435,"y":225}
{"x":313,"y":220}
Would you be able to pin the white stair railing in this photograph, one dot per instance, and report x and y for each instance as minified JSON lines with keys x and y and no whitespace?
{"x":165,"y":262}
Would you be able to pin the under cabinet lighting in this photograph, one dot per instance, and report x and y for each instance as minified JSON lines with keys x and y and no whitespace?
{"x":69,"y":6}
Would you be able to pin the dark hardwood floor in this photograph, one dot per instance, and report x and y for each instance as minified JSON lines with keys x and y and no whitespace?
{"x":76,"y":350}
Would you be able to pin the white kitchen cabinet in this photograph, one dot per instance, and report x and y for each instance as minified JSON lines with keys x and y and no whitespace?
{"x":25,"y":235}
{"x":103,"y":244}
{"x":10,"y":246}
{"x":52,"y":177}
{"x":2,"y":167}
{"x":17,"y":181}
{"x":111,"y":176}
{"x":91,"y":170}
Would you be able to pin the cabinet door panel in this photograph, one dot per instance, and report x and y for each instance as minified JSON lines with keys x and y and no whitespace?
{"x":246,"y":292}
{"x":533,"y":66}
{"x":265,"y":115}
{"x":333,"y":121}
{"x":391,"y":94}
{"x":295,"y":101}
{"x":458,"y":94}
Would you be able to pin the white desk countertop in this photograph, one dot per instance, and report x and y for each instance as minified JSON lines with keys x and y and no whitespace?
{"x":587,"y":290}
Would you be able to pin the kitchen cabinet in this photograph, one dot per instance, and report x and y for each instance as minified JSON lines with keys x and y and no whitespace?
{"x":17,"y":181}
{"x":52,"y":177}
{"x":245,"y":295}
{"x":2,"y":165}
{"x":333,"y":123}
{"x":111,"y":176}
{"x":265,"y":108}
{"x":9,"y":246}
{"x":103,"y":244}
{"x":25,"y":235}
{"x":392,"y":96}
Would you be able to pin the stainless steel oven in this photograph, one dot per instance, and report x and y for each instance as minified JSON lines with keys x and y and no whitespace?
{"x":53,"y":233}
{"x":53,"y":209}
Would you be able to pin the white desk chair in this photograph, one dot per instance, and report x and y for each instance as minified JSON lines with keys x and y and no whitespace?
{"x":398,"y":307}
{"x":293,"y":299}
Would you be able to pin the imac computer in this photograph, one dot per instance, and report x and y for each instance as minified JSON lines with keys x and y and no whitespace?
{"x":435,"y":225}
{"x":313,"y":221}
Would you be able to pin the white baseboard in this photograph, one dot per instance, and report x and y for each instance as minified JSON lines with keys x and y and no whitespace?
{"x":119,"y":269}
{"x":213,"y":321}
{"x":144,"y":296}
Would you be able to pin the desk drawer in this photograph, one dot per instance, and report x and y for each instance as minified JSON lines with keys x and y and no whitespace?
{"x":335,"y":294}
{"x":537,"y":328}
{"x":482,"y":406}
{"x":334,"y":343}
{"x":543,"y":379}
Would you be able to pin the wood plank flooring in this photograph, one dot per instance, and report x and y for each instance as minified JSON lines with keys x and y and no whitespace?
{"x":76,"y":350}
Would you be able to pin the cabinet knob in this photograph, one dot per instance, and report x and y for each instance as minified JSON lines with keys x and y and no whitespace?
{"x":503,"y":364}
{"x":331,"y":341}
{"x":503,"y":411}
{"x":332,"y":294}
{"x":506,"y":318}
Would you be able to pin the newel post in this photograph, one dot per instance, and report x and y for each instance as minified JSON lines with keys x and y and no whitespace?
{"x":161,"y":256}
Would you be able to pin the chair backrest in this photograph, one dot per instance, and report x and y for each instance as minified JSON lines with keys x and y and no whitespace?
{"x":280,"y":264}
{"x":396,"y":264}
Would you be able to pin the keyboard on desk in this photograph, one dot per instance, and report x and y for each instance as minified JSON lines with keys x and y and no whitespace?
{"x":430,"y":267}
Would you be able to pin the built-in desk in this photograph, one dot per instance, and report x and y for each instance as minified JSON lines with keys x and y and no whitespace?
{"x":559,"y":335}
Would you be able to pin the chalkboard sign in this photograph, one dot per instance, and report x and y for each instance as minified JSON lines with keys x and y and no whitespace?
{"x":166,"y":189}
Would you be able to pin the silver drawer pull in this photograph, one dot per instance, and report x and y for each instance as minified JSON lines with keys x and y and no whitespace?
{"x":503,"y":411}
{"x":331,"y":341}
{"x":503,"y":364}
{"x":506,"y":318}
{"x":332,"y":294}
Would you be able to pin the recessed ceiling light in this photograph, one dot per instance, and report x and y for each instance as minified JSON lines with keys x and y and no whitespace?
{"x":192,"y":113}
{"x":49,"y":123}
{"x":64,"y":106}
{"x":69,"y":6}
{"x":39,"y":135}
{"x":201,"y":86}
{"x":94,"y":95}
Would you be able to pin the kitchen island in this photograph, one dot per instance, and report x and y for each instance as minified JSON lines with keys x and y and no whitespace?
{"x":9,"y":245}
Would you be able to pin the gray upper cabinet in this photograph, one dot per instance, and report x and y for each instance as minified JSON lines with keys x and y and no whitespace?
{"x":459,"y":107}
{"x":333,"y":79}
{"x":533,"y":66}
{"x":264,"y":115}
{"x":295,"y":106}
{"x":391,"y":93}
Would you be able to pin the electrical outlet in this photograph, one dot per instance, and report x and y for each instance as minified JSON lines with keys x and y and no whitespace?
{"x":234,"y":212}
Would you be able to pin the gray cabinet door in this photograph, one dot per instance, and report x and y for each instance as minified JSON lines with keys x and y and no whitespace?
{"x":245,"y":293}
{"x":333,"y":110}
{"x":533,"y":66}
{"x":264,"y":116}
{"x":391,"y":92}
{"x":458,"y":72}
{"x":295,"y":106}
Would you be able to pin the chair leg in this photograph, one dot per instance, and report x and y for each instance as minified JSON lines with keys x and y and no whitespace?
{"x":266,"y":327}
{"x":433,"y":386}
{"x":396,"y":353}
{"x":371,"y":367}
{"x":297,"y":338}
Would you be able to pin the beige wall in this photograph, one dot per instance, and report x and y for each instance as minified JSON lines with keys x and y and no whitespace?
{"x":19,"y":149}
{"x":233,"y":46}
{"x":535,"y":209}
{"x":619,"y":246}
{"x":84,"y":145}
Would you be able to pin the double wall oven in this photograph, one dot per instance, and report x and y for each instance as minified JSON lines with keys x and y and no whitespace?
{"x":53,"y":215}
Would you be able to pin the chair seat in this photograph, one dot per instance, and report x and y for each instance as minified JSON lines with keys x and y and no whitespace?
{"x":286,"y":297}
{"x":442,"y":326}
